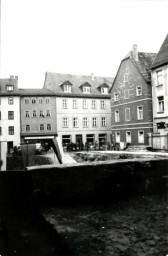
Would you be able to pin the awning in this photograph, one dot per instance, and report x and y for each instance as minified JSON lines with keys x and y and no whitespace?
{"x":39,"y":138}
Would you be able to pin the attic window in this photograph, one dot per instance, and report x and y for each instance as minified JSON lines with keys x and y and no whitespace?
{"x":9,"y":88}
{"x":86,"y":89}
{"x":104,"y":90}
{"x":67,"y":88}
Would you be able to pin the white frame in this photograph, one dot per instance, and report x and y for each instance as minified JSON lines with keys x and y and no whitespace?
{"x":139,"y":137}
{"x":138,"y":116}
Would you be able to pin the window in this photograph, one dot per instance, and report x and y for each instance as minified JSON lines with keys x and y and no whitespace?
{"x":128,"y":137}
{"x":47,"y":100}
{"x":41,"y":127}
{"x":126,"y":77}
{"x":93,"y":104}
{"x":86,"y":89}
{"x":74,"y":104}
{"x":10,"y":100}
{"x":40,"y":101}
{"x":66,"y":139}
{"x":9,"y":88}
{"x":34,"y":113}
{"x":33,"y":101}
{"x":140,"y":112}
{"x":85,"y":104}
{"x":65,"y":122}
{"x":41,"y":113}
{"x":94,"y":121}
{"x":27,"y":101}
{"x":126,"y":94}
{"x":104,"y":122}
{"x":90,"y":138}
{"x":102,"y":104}
{"x":64,"y":104}
{"x":159,"y":77}
{"x":75,"y":122}
{"x":11,"y":130}
{"x":0,"y":115}
{"x":48,"y":127}
{"x":0,"y":130}
{"x":117,"y":117}
{"x":67,"y":88}
{"x":139,"y":90}
{"x":117,"y":134}
{"x":27,"y":128}
{"x":27,"y":114}
{"x":10,"y":115}
{"x":115,"y":96}
{"x":140,"y":136}
{"x":85,"y":122}
{"x":104,"y":90}
{"x":161,"y":104}
{"x":127,"y":114}
{"x":48,"y":113}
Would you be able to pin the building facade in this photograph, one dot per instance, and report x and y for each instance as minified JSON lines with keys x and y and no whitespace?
{"x":131,"y":99}
{"x":160,"y":98}
{"x":9,"y":116}
{"x":38,"y":115}
{"x":82,"y":108}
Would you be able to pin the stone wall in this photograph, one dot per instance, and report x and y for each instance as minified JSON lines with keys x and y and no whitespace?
{"x":99,"y":182}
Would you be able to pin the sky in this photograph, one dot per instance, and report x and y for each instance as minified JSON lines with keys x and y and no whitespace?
{"x":76,"y":36}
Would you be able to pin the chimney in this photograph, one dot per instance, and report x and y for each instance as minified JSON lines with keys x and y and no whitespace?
{"x":92,"y":76}
{"x":135,"y":52}
{"x":11,"y":77}
{"x":16,"y":77}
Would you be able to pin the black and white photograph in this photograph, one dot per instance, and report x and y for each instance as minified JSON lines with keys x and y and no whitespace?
{"x":83,"y":128}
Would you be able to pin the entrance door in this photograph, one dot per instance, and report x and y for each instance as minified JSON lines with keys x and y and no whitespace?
{"x":79,"y":140}
{"x":10,"y":146}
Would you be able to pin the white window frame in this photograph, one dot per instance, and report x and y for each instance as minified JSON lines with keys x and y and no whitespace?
{"x":10,"y":101}
{"x":128,"y":140}
{"x":117,"y":137}
{"x":93,"y":104}
{"x":117,"y":116}
{"x":74,"y":104}
{"x":47,"y":126}
{"x":65,"y":122}
{"x":104,"y":121}
{"x":94,"y":122}
{"x":159,"y":77}
{"x":67,"y":88}
{"x":104,"y":90}
{"x":64,"y":103}
{"x":115,"y":96}
{"x":139,"y":88}
{"x":27,"y":113}
{"x":85,"y":122}
{"x":75,"y":122}
{"x":41,"y":113}
{"x":48,"y":113}
{"x":40,"y":126}
{"x":47,"y":100}
{"x":139,"y":112}
{"x":160,"y":104}
{"x":86,"y":89}
{"x":127,"y":119}
{"x":103,"y":104}
{"x":9,"y":88}
{"x":85,"y":104}
{"x":26,"y":128}
{"x":40,"y":100}
{"x":11,"y":130}
{"x":33,"y":100}
{"x":27,"y":101}
{"x":34,"y":113}
{"x":140,"y":131}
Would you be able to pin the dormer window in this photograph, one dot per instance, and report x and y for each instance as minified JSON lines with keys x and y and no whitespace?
{"x":67,"y":88}
{"x":86,"y":89}
{"x":9,"y":88}
{"x":104,"y":90}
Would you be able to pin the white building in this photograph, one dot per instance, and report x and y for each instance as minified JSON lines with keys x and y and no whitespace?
{"x":83,"y":110}
{"x":9,"y":117}
{"x":160,"y":97}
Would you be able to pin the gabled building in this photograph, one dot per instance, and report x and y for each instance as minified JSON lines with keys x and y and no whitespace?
{"x":38,"y":115}
{"x":131,"y":99}
{"x":160,"y":97}
{"x":83,"y":111}
{"x":9,"y":116}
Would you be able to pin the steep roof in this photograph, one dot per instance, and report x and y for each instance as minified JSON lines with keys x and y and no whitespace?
{"x":53,"y":81}
{"x":36,"y":92}
{"x":162,"y":56}
{"x":9,"y":81}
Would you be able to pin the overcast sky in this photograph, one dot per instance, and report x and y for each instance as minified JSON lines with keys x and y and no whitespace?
{"x":76,"y":36}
